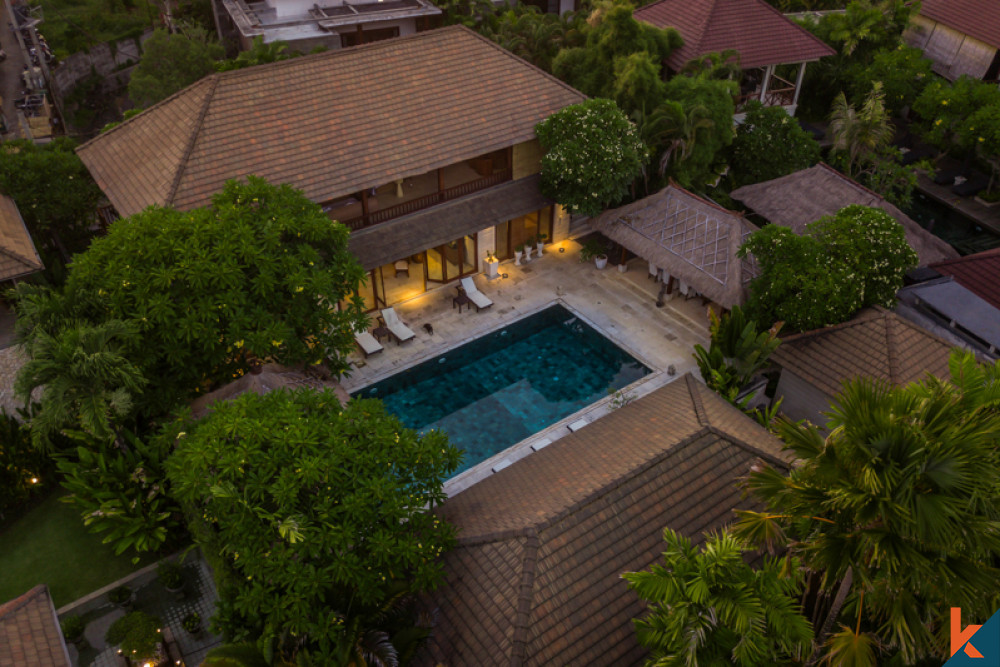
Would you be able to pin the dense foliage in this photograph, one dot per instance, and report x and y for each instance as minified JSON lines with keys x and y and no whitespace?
{"x":209,"y":291}
{"x":316,"y":515}
{"x":121,"y":494}
{"x":893,"y":507}
{"x":769,"y":144}
{"x":53,"y":190}
{"x":903,"y":72}
{"x":840,"y":264}
{"x":944,"y":110}
{"x":738,"y":351}
{"x":23,"y":468}
{"x":171,"y":62}
{"x":593,"y":154}
{"x":137,"y":634}
{"x":707,"y":606}
{"x":530,"y":33}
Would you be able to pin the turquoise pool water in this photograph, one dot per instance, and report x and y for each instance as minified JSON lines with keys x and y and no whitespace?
{"x":499,"y":389}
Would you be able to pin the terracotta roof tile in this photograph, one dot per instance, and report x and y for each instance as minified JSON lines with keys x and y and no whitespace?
{"x":977,"y":18}
{"x":761,"y":34}
{"x":18,"y":256}
{"x":979,"y":273}
{"x":877,"y":344}
{"x":30,"y":633}
{"x":330,"y":124}
{"x":574,"y":516}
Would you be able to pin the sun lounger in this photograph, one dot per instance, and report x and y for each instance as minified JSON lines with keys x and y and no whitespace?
{"x":972,"y":186}
{"x":400,"y":331}
{"x":478,"y":298}
{"x":367,"y":342}
{"x":917,"y":153}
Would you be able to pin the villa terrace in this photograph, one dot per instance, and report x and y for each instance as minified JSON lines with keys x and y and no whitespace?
{"x":620,"y":305}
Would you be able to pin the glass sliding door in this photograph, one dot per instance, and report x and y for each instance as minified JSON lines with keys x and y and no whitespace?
{"x":435,"y":265}
{"x":468,"y":255}
{"x":502,"y":233}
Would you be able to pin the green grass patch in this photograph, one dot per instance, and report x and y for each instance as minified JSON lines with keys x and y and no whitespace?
{"x":50,"y":545}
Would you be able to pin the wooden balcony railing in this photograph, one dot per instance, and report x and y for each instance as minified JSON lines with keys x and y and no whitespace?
{"x":432,"y":199}
{"x":779,"y":93}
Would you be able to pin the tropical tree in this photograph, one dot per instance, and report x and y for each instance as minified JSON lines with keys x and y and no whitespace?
{"x":532,"y":34}
{"x":593,"y":154}
{"x":23,"y":469}
{"x":893,"y":511}
{"x":85,"y":380}
{"x":752,"y":155}
{"x":738,"y":351}
{"x":860,"y":133}
{"x":903,"y":71}
{"x":259,"y":53}
{"x":212,"y":291}
{"x":982,"y":130}
{"x":30,"y":173}
{"x":316,"y":517}
{"x":709,"y":607}
{"x":171,"y":62}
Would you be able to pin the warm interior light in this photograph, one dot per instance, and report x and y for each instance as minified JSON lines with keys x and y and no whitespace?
{"x":34,"y":480}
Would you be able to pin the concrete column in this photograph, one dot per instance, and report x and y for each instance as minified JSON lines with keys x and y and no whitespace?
{"x":487,"y":243}
{"x":560,"y":223}
{"x":767,"y":82}
{"x":798,"y":86}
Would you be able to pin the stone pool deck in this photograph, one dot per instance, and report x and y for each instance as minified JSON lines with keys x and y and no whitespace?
{"x":619,"y":305}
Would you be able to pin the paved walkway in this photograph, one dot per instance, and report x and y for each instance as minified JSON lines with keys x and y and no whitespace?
{"x":11,"y":361}
{"x":620,"y":305}
{"x":10,"y":74}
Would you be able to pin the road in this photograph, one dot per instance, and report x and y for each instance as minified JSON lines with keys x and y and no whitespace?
{"x":10,"y":74}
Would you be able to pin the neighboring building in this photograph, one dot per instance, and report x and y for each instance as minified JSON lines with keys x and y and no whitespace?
{"x":805,"y":196}
{"x":536,"y":576}
{"x":30,"y":632}
{"x":945,"y":307}
{"x":959,"y":37}
{"x":876,"y":344}
{"x":18,"y":257}
{"x":773,"y":50}
{"x":979,"y":273}
{"x":333,"y":24}
{"x":423,"y":146}
{"x":690,"y":240}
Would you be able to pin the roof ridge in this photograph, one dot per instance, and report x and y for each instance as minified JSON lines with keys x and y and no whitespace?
{"x":17,"y":603}
{"x":699,"y":407}
{"x":708,"y":202}
{"x":740,"y":442}
{"x":879,"y":198}
{"x":525,"y":594}
{"x":192,"y":140}
{"x":770,"y":7}
{"x":18,"y":257}
{"x":864,"y":316}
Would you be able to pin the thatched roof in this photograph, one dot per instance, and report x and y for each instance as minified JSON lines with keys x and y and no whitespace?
{"x":271,"y":377}
{"x":806,"y":196}
{"x":689,"y":238}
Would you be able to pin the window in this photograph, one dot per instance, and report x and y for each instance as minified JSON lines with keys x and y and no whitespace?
{"x":367,"y":35}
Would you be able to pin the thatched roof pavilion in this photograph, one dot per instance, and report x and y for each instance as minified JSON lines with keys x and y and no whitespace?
{"x":687,"y":237}
{"x":806,"y":196}
{"x":270,"y":377}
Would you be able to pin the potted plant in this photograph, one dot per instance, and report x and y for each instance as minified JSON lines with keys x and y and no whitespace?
{"x":72,"y":629}
{"x":492,"y":265}
{"x":192,"y":623}
{"x":137,"y":636}
{"x":540,"y":243}
{"x":518,"y":251}
{"x":171,"y":575}
{"x":594,"y":249}
{"x":529,"y":244}
{"x":120,"y":596}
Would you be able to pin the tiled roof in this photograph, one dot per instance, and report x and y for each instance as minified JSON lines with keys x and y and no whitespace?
{"x":690,"y":238}
{"x":535,"y":579}
{"x":877,"y":344}
{"x":977,"y":18}
{"x":329,"y":124}
{"x":18,"y":256}
{"x":809,"y":194}
{"x":30,"y":633}
{"x":979,"y":273}
{"x":761,"y":34}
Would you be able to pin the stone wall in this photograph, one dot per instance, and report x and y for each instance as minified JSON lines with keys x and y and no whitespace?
{"x":527,"y":159}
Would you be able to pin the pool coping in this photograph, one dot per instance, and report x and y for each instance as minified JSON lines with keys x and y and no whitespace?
{"x":657,"y":378}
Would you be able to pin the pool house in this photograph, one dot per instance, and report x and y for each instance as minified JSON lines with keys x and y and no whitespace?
{"x":424,"y":146}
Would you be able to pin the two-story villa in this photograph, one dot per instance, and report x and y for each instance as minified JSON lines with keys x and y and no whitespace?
{"x":424,"y":146}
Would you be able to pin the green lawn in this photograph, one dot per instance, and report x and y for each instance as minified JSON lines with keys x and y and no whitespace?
{"x":50,"y":545}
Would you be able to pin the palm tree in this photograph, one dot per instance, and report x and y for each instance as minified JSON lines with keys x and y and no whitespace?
{"x":709,"y":607}
{"x":860,"y":133}
{"x":86,"y":381}
{"x":677,"y":129}
{"x":893,"y":511}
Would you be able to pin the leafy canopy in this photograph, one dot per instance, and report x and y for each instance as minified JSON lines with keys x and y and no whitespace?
{"x":171,"y":62}
{"x":255,"y":276}
{"x":738,"y":351}
{"x":315,"y":514}
{"x":709,"y":607}
{"x":894,"y":504}
{"x":593,"y":153}
{"x":840,"y":264}
{"x":753,"y":155}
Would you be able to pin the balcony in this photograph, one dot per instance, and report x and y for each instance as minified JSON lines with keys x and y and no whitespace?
{"x":414,"y":194}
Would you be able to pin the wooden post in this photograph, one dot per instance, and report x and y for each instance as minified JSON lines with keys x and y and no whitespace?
{"x":364,"y":206}
{"x":440,"y":184}
{"x":798,"y":85}
{"x":361,"y":35}
{"x":622,"y":261}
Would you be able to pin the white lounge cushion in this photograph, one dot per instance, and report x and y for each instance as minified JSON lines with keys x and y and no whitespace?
{"x":477,"y":297}
{"x":396,"y":326}
{"x":367,"y":342}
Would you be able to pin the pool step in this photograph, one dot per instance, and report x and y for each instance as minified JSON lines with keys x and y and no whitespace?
{"x":541,"y":444}
{"x":501,"y":465}
{"x":577,"y":425}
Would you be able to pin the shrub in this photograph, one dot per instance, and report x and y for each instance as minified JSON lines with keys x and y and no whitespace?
{"x":120,"y":595}
{"x":192,"y":622}
{"x":170,"y":574}
{"x":137,"y":634}
{"x":754,"y":158}
{"x":72,"y":627}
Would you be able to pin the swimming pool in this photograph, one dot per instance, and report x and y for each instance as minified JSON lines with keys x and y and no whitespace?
{"x":959,"y":230}
{"x":499,"y":389}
